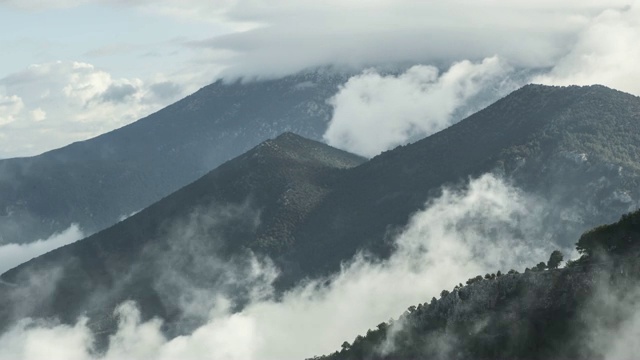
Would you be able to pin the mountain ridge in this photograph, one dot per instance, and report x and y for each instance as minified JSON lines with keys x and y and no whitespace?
{"x":311,"y":212}
{"x":95,"y":182}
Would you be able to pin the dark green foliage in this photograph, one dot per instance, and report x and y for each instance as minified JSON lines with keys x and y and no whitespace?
{"x":540,"y":267}
{"x":555,"y":259}
{"x":540,"y":330}
{"x":615,"y":238}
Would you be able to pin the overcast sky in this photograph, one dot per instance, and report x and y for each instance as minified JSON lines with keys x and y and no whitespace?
{"x":72,"y":69}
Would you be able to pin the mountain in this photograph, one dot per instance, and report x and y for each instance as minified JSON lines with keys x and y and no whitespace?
{"x":576,"y":312}
{"x":577,"y":149}
{"x":97,"y":182}
{"x":251,"y":202}
{"x":308,"y":207}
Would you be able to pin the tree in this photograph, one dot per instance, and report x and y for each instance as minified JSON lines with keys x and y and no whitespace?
{"x":345,"y":346}
{"x":444,"y":293}
{"x":555,"y":259}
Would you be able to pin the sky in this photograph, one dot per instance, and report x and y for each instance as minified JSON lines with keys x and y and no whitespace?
{"x":73,"y":69}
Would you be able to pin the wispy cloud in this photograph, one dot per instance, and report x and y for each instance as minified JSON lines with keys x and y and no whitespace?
{"x":12,"y":255}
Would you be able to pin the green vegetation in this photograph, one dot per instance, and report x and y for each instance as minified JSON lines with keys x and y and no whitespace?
{"x":555,"y":259}
{"x":612,"y":239}
{"x":505,"y":305}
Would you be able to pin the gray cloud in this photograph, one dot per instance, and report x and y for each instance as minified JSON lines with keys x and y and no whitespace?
{"x":306,"y":33}
{"x":118,"y":93}
{"x":166,"y":90}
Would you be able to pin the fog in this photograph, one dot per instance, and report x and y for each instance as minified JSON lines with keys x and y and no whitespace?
{"x":484,"y":227}
{"x":12,"y":255}
{"x":374,"y":112}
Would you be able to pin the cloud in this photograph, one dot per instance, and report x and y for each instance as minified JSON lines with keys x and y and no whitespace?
{"x":484,"y":227}
{"x":12,"y":255}
{"x":611,"y":314}
{"x":604,"y":53}
{"x":117,"y":93}
{"x":374,"y":112}
{"x":77,"y":100}
{"x":574,"y":41}
{"x":301,"y":34}
{"x":10,"y":107}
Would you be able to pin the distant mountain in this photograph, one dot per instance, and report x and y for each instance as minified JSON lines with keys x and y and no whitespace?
{"x":309,"y":207}
{"x":577,"y":312}
{"x":95,"y":183}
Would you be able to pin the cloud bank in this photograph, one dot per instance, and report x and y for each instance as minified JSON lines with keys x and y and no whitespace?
{"x":482,"y":228}
{"x":373,"y":112}
{"x":294,"y":36}
{"x":12,"y":255}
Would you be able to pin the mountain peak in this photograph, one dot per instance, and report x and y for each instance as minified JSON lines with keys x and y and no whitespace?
{"x":299,"y":149}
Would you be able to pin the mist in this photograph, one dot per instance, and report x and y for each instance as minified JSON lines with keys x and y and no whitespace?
{"x":12,"y":255}
{"x":486,"y":226}
{"x":374,"y":112}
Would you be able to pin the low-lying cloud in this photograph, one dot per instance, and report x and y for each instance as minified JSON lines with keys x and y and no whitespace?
{"x":484,"y":227}
{"x":12,"y":255}
{"x":374,"y":112}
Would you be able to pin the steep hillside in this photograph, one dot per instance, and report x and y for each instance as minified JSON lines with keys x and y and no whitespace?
{"x":96,"y":182}
{"x":576,"y":148}
{"x":577,"y":312}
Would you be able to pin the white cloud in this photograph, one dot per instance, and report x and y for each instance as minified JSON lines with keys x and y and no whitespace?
{"x":487,"y":227}
{"x":580,"y":42}
{"x":30,"y":340}
{"x":606,"y":52}
{"x":373,"y":112}
{"x":10,"y":107}
{"x":12,"y":255}
{"x":78,"y":101}
{"x":612,"y":315}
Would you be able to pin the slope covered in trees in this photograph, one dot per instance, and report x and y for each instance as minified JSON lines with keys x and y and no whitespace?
{"x":541,"y":314}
